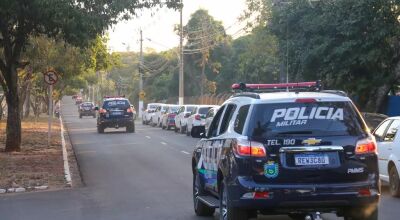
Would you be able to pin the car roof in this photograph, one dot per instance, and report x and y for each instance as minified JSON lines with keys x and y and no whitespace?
{"x":282,"y":97}
{"x":394,"y":117}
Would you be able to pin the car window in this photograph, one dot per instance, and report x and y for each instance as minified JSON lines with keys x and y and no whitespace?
{"x":380,"y":131}
{"x":230,"y":109}
{"x":193,"y":111}
{"x":241,"y":119}
{"x":305,"y":119}
{"x":392,"y":131}
{"x":212,"y":131}
{"x":116,"y":104}
{"x":203,"y":110}
{"x":190,"y":108}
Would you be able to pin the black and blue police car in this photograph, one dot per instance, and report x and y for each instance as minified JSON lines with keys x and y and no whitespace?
{"x":115,"y":112}
{"x":290,"y":149}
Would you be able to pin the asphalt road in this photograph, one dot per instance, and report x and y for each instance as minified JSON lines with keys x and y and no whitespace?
{"x":141,"y":176}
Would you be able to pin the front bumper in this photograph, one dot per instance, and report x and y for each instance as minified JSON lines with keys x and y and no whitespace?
{"x":332,"y":197}
{"x":115,"y":122}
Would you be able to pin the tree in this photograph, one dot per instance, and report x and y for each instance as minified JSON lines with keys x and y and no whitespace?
{"x":75,"y":21}
{"x":203,"y":35}
{"x":350,"y":45}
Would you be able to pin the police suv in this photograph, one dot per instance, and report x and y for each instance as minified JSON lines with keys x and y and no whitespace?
{"x":286,"y":149}
{"x":115,"y":112}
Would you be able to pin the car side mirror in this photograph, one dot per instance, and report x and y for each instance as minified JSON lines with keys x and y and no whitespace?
{"x":96,"y":108}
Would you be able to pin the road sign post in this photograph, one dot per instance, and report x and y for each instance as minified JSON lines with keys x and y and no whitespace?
{"x":51,"y":78}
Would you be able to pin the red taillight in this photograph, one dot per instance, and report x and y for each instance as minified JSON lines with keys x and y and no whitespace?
{"x":261,"y":195}
{"x":364,"y":192}
{"x":197,"y":117}
{"x":102,"y":111}
{"x":247,"y":148}
{"x":306,"y":100}
{"x":366,"y":146}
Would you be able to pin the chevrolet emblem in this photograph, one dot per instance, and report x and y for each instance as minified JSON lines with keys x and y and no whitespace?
{"x":311,"y":141}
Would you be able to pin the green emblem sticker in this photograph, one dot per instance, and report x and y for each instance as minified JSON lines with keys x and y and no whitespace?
{"x":271,"y":170}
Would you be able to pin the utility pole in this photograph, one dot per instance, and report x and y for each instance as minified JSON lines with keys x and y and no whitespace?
{"x":141,"y":74}
{"x":181,"y":74}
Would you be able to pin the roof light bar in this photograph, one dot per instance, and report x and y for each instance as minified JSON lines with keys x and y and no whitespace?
{"x":316,"y":86}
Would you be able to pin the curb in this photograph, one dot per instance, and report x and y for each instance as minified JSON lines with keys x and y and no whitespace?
{"x":67,"y":172}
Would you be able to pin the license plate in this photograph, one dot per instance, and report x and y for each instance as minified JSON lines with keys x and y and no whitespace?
{"x":116,"y":113}
{"x":311,"y":159}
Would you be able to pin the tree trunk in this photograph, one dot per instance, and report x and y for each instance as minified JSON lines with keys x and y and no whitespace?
{"x":13,"y":129}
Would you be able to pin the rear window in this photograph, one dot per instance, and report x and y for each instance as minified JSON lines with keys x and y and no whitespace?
{"x":203,"y":111}
{"x":190,"y":108}
{"x":152,"y":106}
{"x":305,"y":119}
{"x":120,"y":104}
{"x":174,"y":109}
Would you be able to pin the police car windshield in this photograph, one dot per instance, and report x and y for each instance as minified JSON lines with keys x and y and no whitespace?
{"x":116,"y":104}
{"x":304,"y":119}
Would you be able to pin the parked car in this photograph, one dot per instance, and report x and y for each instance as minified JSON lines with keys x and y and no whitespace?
{"x":210,"y":116}
{"x":149,"y":112}
{"x":197,"y":120}
{"x":168,"y":119}
{"x":158,"y":113}
{"x":388,"y":141}
{"x":87,"y":109}
{"x":181,"y":118}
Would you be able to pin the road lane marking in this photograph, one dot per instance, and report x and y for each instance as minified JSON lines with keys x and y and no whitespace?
{"x":185,"y":152}
{"x":163,"y":143}
{"x":148,"y":137}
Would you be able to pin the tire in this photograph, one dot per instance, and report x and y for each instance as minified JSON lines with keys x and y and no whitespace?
{"x":360,"y":214}
{"x":297,"y":216}
{"x":100,"y":129}
{"x":394,"y":182}
{"x":130,"y":128}
{"x":200,"y":208}
{"x":188,"y":133}
{"x":227,"y":212}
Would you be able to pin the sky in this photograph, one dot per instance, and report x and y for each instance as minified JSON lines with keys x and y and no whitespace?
{"x":158,"y":28}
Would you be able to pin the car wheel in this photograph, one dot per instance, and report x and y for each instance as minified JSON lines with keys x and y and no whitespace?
{"x":188,"y":133}
{"x":365,"y":213}
{"x":227,"y":212}
{"x":394,"y":182}
{"x":200,"y":208}
{"x":100,"y":129}
{"x":297,"y":216}
{"x":130,"y":128}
